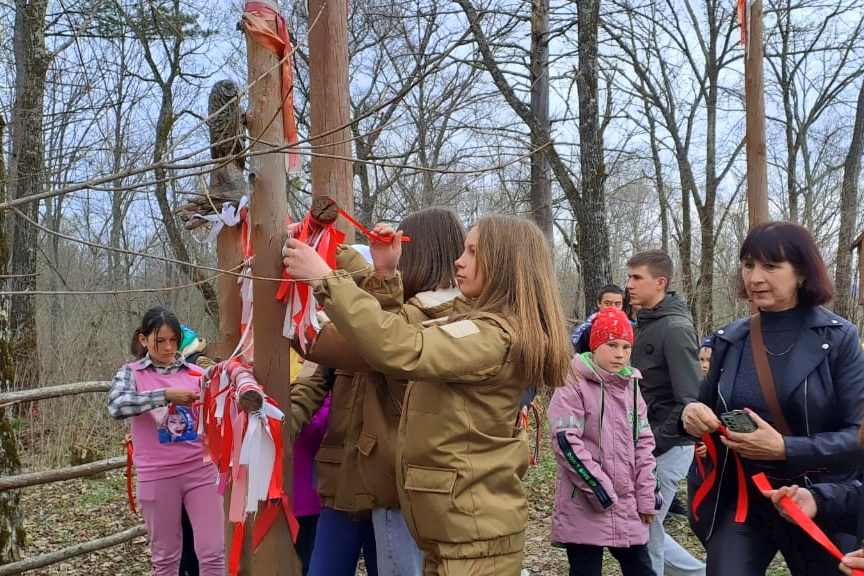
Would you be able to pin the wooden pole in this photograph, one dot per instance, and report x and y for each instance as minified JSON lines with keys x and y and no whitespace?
{"x":329,"y":110}
{"x":754,"y":104}
{"x":267,"y":210}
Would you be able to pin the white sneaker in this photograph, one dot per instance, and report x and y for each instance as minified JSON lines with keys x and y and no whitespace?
{"x":525,"y":572}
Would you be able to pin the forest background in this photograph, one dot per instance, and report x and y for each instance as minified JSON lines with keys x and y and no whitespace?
{"x":617,"y":126}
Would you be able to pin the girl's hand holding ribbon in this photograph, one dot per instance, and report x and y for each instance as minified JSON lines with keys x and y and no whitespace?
{"x":386,"y":249}
{"x":303,"y":262}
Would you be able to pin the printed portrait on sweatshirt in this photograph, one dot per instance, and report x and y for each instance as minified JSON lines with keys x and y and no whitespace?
{"x":176,"y":426}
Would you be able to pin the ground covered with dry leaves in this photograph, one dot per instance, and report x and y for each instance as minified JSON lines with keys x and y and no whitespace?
{"x":66,"y":513}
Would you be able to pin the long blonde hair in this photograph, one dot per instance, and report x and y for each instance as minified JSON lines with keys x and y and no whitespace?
{"x":520,"y":285}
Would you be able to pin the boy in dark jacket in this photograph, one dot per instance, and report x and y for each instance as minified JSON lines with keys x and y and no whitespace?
{"x":665,"y":351}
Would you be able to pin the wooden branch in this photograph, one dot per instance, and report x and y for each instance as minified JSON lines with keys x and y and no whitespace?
{"x":72,"y":551}
{"x":58,"y":474}
{"x":9,"y":398}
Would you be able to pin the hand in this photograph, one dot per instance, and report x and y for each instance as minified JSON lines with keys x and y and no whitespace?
{"x":180,"y":396}
{"x":646,"y":518}
{"x":303,"y":263}
{"x":127,"y":439}
{"x":801,"y":496}
{"x":385,"y":255}
{"x":853,"y":560}
{"x":701,"y":449}
{"x":699,"y":419}
{"x":764,"y":443}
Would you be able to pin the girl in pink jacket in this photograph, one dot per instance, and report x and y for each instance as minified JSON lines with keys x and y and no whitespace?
{"x":605,"y":493}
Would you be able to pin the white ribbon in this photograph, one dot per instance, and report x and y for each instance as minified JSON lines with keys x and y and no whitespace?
{"x":230,"y":216}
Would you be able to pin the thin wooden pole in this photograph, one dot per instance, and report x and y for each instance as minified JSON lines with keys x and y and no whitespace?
{"x":329,"y":108}
{"x":29,"y":564}
{"x":275,"y":556}
{"x":754,"y":96}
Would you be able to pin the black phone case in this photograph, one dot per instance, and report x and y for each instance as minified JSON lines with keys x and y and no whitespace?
{"x":738,"y":421}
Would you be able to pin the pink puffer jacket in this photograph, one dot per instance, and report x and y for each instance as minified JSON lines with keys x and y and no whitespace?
{"x":604,"y":446}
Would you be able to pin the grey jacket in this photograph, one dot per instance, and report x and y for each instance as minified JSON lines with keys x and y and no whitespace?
{"x":666,"y":351}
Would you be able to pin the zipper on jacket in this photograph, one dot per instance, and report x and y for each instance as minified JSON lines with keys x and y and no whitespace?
{"x":722,"y":470}
{"x":806,"y":407}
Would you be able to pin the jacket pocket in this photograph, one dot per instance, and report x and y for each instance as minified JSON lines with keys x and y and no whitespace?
{"x":327,"y":462}
{"x":433,"y":510}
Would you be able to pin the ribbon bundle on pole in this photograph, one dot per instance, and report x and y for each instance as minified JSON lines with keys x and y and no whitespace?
{"x":316,"y":230}
{"x":243,"y":437}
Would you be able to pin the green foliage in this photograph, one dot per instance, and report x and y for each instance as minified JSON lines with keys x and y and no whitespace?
{"x":158,"y":19}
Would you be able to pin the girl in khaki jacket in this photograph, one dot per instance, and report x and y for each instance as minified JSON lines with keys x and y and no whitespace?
{"x":357,"y":468}
{"x":459,"y":455}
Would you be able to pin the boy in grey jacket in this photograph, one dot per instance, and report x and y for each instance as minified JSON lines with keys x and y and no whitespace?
{"x":666,"y":351}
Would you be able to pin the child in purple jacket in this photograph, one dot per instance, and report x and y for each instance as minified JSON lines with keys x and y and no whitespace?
{"x":306,"y":503}
{"x":605,"y":492}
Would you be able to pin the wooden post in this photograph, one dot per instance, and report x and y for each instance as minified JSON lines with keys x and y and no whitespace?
{"x":229,"y":253}
{"x":275,"y":556}
{"x":754,"y":104}
{"x":329,"y":110}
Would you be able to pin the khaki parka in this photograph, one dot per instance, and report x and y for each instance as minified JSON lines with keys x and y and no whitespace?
{"x":336,"y":460}
{"x":460,"y":456}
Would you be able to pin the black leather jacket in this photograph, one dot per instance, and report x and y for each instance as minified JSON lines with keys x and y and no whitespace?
{"x":821,"y":395}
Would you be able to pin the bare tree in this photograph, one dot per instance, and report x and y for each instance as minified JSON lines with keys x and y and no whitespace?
{"x":12,"y":536}
{"x":849,"y":213}
{"x":807,"y":37}
{"x":593,"y":247}
{"x":541,"y":185}
{"x":27,"y":178}
{"x":676,"y":54}
{"x":163,"y":31}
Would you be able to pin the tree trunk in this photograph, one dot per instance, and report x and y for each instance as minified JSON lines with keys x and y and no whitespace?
{"x":178,"y":247}
{"x":26,"y":178}
{"x":659,"y":181}
{"x":849,"y":213}
{"x":591,"y":211}
{"x":541,"y":184}
{"x":12,"y":535}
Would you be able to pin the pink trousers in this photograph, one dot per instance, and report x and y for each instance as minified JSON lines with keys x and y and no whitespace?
{"x":160,"y":502}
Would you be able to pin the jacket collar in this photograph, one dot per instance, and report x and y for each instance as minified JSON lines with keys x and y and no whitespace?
{"x":815,"y":317}
{"x":811,"y":347}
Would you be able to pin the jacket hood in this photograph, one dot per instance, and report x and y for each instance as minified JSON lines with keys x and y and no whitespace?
{"x":585,"y":368}
{"x":673,"y":304}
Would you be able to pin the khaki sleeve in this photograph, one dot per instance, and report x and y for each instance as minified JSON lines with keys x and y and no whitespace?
{"x":308,"y":392}
{"x":387,"y":290}
{"x":330,"y":349}
{"x":467,"y":351}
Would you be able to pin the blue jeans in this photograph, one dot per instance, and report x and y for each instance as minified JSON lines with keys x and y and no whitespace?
{"x":666,"y":553}
{"x":398,"y":554}
{"x":338,"y":542}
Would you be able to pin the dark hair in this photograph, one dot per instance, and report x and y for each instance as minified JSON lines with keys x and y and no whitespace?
{"x":659,"y":264}
{"x":428,"y":261}
{"x":628,"y":306}
{"x":154,"y":319}
{"x":789,"y":242}
{"x":610,"y":289}
{"x":135,"y":347}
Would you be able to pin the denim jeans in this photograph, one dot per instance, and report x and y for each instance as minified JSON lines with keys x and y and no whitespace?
{"x":338,"y":542}
{"x":665,"y":552}
{"x":398,"y":554}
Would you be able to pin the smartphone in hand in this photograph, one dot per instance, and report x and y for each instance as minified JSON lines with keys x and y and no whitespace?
{"x":738,"y":421}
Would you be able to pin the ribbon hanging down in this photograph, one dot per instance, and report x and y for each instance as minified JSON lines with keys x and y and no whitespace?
{"x":257,"y":20}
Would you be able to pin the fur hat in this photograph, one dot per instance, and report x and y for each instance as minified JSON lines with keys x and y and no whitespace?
{"x":610,"y":324}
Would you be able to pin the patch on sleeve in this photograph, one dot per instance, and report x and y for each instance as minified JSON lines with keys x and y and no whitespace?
{"x":461,"y":329}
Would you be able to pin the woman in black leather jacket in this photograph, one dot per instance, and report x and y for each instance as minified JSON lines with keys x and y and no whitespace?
{"x":817,"y":370}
